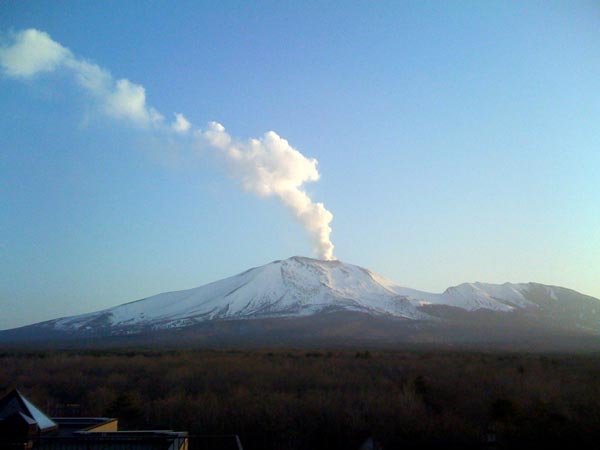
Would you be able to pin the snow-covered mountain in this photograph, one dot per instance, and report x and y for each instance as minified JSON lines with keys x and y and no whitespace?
{"x":303,"y":287}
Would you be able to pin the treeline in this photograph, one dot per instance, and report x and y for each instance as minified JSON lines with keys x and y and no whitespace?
{"x":325,"y":399}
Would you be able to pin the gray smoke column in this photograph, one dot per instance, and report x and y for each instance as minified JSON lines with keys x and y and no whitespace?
{"x":267,"y":167}
{"x":270,"y":166}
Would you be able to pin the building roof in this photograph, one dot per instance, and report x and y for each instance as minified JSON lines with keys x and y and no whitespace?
{"x":21,"y":417}
{"x":89,"y":440}
{"x":18,"y":414}
{"x":67,"y":426}
{"x":15,"y":402}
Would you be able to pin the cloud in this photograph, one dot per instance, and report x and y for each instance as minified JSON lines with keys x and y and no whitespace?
{"x":91,"y":77}
{"x":267,"y":167}
{"x":128,"y":100}
{"x":181,"y":124}
{"x":31,"y":53}
{"x":270,"y":166}
{"x":34,"y":52}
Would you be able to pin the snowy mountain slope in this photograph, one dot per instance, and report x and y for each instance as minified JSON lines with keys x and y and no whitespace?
{"x":302,"y":287}
{"x":293,"y":287}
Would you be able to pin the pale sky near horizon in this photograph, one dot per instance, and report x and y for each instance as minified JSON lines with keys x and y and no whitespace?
{"x":456,"y":142}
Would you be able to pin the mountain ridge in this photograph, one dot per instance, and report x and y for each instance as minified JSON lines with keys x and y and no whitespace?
{"x":301,"y":287}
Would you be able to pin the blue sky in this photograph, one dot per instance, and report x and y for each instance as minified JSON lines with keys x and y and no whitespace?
{"x":456,"y":141}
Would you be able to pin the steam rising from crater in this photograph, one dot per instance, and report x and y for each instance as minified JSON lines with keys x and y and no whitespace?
{"x":270,"y":166}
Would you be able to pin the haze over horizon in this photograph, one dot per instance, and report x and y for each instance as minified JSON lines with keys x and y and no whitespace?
{"x":455,"y":143}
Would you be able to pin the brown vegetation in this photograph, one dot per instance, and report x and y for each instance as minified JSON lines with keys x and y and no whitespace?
{"x":325,"y":399}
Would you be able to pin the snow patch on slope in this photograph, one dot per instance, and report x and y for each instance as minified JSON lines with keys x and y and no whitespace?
{"x":503,"y":297}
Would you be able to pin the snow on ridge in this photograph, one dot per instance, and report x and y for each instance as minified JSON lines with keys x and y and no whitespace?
{"x":500,"y":297}
{"x":296,"y":286}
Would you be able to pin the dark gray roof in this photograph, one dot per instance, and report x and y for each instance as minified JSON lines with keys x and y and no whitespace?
{"x":15,"y":402}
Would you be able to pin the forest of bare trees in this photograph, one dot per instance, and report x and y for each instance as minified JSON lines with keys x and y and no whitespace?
{"x":301,"y":399}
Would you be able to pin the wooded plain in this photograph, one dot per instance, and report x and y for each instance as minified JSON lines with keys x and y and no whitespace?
{"x":334,"y":399}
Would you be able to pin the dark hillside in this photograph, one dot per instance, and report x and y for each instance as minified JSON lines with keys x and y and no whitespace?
{"x":340,"y":329}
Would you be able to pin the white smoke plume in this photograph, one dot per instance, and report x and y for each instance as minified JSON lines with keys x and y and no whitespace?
{"x":266,"y":167}
{"x":34,"y":52}
{"x":270,"y":166}
{"x":181,"y":124}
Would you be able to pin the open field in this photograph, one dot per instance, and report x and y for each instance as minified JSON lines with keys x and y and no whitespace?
{"x":300,"y":399}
